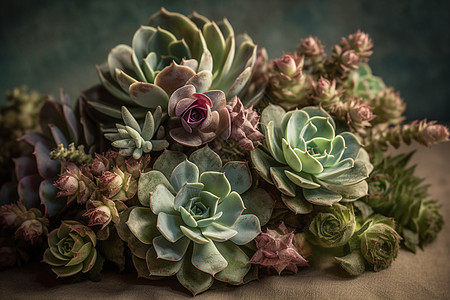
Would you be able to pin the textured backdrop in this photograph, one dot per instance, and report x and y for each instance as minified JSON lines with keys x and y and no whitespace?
{"x":51,"y":44}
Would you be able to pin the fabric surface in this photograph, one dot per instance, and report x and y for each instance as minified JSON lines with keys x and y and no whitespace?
{"x":421,"y":276}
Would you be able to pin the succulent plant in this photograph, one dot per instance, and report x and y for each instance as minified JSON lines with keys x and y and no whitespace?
{"x":74,"y":184}
{"x":71,"y":249}
{"x":375,"y":244}
{"x":133,"y":140}
{"x":332,"y":226}
{"x":244,"y":124}
{"x":102,"y":211}
{"x":202,"y":116}
{"x":302,"y":150}
{"x":288,"y":85}
{"x":10,"y":215}
{"x":36,"y":173}
{"x":193,"y":222}
{"x":362,"y":83}
{"x":173,"y":50}
{"x":395,"y":191}
{"x":276,"y":249}
{"x":32,"y":226}
{"x":117,"y":184}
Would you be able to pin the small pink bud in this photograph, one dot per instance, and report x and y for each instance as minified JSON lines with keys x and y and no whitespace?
{"x":286,"y":64}
{"x":67,"y":183}
{"x":9,"y":214}
{"x":435,"y":133}
{"x":361,"y":113}
{"x":350,"y":59}
{"x":311,"y":47}
{"x":30,"y":231}
{"x":100,"y":215}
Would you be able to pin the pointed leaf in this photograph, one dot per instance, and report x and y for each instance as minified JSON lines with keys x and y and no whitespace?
{"x":215,"y":183}
{"x":194,"y":234}
{"x":302,"y":180}
{"x":186,"y":192}
{"x":47,"y":194}
{"x":297,"y":204}
{"x":248,"y":227}
{"x":142,"y":223}
{"x":162,"y":200}
{"x":282,"y":182}
{"x":185,"y":172}
{"x":161,"y":267}
{"x":321,"y":196}
{"x":206,"y":160}
{"x":258,"y":202}
{"x":167,"y":161}
{"x":291,"y":157}
{"x":262,"y":163}
{"x":238,"y":175}
{"x":170,"y":251}
{"x":147,"y":184}
{"x":148,"y":95}
{"x":207,"y":258}
{"x":169,"y":226}
{"x":232,"y":207}
{"x":353,"y":263}
{"x":238,"y":265}
{"x":218,"y":233}
{"x":129,"y":120}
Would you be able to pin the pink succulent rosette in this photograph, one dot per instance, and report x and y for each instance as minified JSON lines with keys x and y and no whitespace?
{"x":203,"y":116}
{"x":275,"y":249}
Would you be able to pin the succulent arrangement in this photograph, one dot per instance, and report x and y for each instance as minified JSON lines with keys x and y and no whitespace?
{"x":198,"y":157}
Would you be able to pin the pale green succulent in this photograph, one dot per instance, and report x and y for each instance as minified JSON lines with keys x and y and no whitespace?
{"x":173,"y":50}
{"x":71,"y":249}
{"x":302,"y":150}
{"x":131,"y":139}
{"x":332,"y":227}
{"x":194,"y":223}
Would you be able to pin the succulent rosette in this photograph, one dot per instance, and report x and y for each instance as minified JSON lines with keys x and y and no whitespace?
{"x":193,"y":222}
{"x":332,"y":227}
{"x":133,"y":140}
{"x":71,"y":249}
{"x":307,"y":161}
{"x":173,"y":50}
{"x":374,"y":245}
{"x":203,"y":116}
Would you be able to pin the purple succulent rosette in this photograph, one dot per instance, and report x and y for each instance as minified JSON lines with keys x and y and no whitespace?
{"x":203,"y":116}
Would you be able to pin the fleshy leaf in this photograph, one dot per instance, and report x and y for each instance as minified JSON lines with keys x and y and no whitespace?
{"x":148,"y":182}
{"x":169,"y":226}
{"x":321,"y":196}
{"x":170,"y":251}
{"x":218,"y":233}
{"x":206,"y":160}
{"x":353,"y":263}
{"x":207,"y":258}
{"x":161,"y":267}
{"x":297,"y":204}
{"x":259,"y":203}
{"x":186,"y":192}
{"x":238,"y":265}
{"x":238,"y":175}
{"x":232,"y":207}
{"x":215,"y":183}
{"x":185,"y":172}
{"x":142,"y":223}
{"x":167,"y":161}
{"x":282,"y":182}
{"x":161,"y":200}
{"x":262,"y":162}
{"x":301,"y":179}
{"x":248,"y":227}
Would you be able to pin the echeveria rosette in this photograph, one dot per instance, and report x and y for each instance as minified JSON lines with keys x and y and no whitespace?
{"x":302,"y":150}
{"x":133,"y":140}
{"x":375,"y":245}
{"x":193,"y":223}
{"x":203,"y":116}
{"x":173,"y":50}
{"x":71,"y":249}
{"x":332,"y":226}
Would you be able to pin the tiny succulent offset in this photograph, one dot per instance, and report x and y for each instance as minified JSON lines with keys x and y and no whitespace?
{"x":198,"y":157}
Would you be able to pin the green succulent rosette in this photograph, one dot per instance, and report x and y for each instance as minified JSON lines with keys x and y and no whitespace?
{"x":193,"y":222}
{"x":173,"y":50}
{"x":308,"y":161}
{"x":332,"y":227}
{"x":71,"y":249}
{"x":375,"y":245}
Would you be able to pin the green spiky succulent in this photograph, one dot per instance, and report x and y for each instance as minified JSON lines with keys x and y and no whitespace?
{"x":71,"y":249}
{"x":332,"y":227}
{"x":307,"y":161}
{"x":193,"y":223}
{"x":374,"y":245}
{"x":173,"y":50}
{"x":131,"y":139}
{"x":395,"y":191}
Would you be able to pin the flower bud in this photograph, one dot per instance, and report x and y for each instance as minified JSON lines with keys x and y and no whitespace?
{"x":286,"y":64}
{"x":9,"y":214}
{"x":30,"y":230}
{"x":350,"y":60}
{"x":435,"y":133}
{"x":310,"y":47}
{"x":361,"y":113}
{"x":360,"y":42}
{"x":99,"y":215}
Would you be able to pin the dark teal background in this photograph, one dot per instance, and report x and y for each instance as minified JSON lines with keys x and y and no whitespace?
{"x":53,"y":44}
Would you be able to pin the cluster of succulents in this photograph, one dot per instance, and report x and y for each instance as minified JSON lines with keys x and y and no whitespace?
{"x":202,"y":159}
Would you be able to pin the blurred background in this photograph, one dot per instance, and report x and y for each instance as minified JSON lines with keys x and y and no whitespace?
{"x":51,"y":44}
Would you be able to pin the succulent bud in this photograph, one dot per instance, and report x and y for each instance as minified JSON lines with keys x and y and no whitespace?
{"x":244,"y":124}
{"x":30,"y":230}
{"x":9,"y":214}
{"x":103,"y":211}
{"x":98,"y":216}
{"x":74,"y":184}
{"x":275,"y":249}
{"x":117,"y":185}
{"x":99,"y":165}
{"x":360,"y":42}
{"x":325,"y":92}
{"x":286,"y":65}
{"x":350,"y":60}
{"x":435,"y":133}
{"x":311,"y":47}
{"x":388,"y":107}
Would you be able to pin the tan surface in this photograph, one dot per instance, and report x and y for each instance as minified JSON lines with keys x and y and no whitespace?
{"x":421,"y":276}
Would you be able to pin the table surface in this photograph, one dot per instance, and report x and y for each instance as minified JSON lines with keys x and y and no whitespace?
{"x":425,"y":275}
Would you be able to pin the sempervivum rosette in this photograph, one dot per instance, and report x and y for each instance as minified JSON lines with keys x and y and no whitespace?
{"x":71,"y":249}
{"x":171,"y":51}
{"x":203,"y":116}
{"x":193,"y":223}
{"x":302,"y":150}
